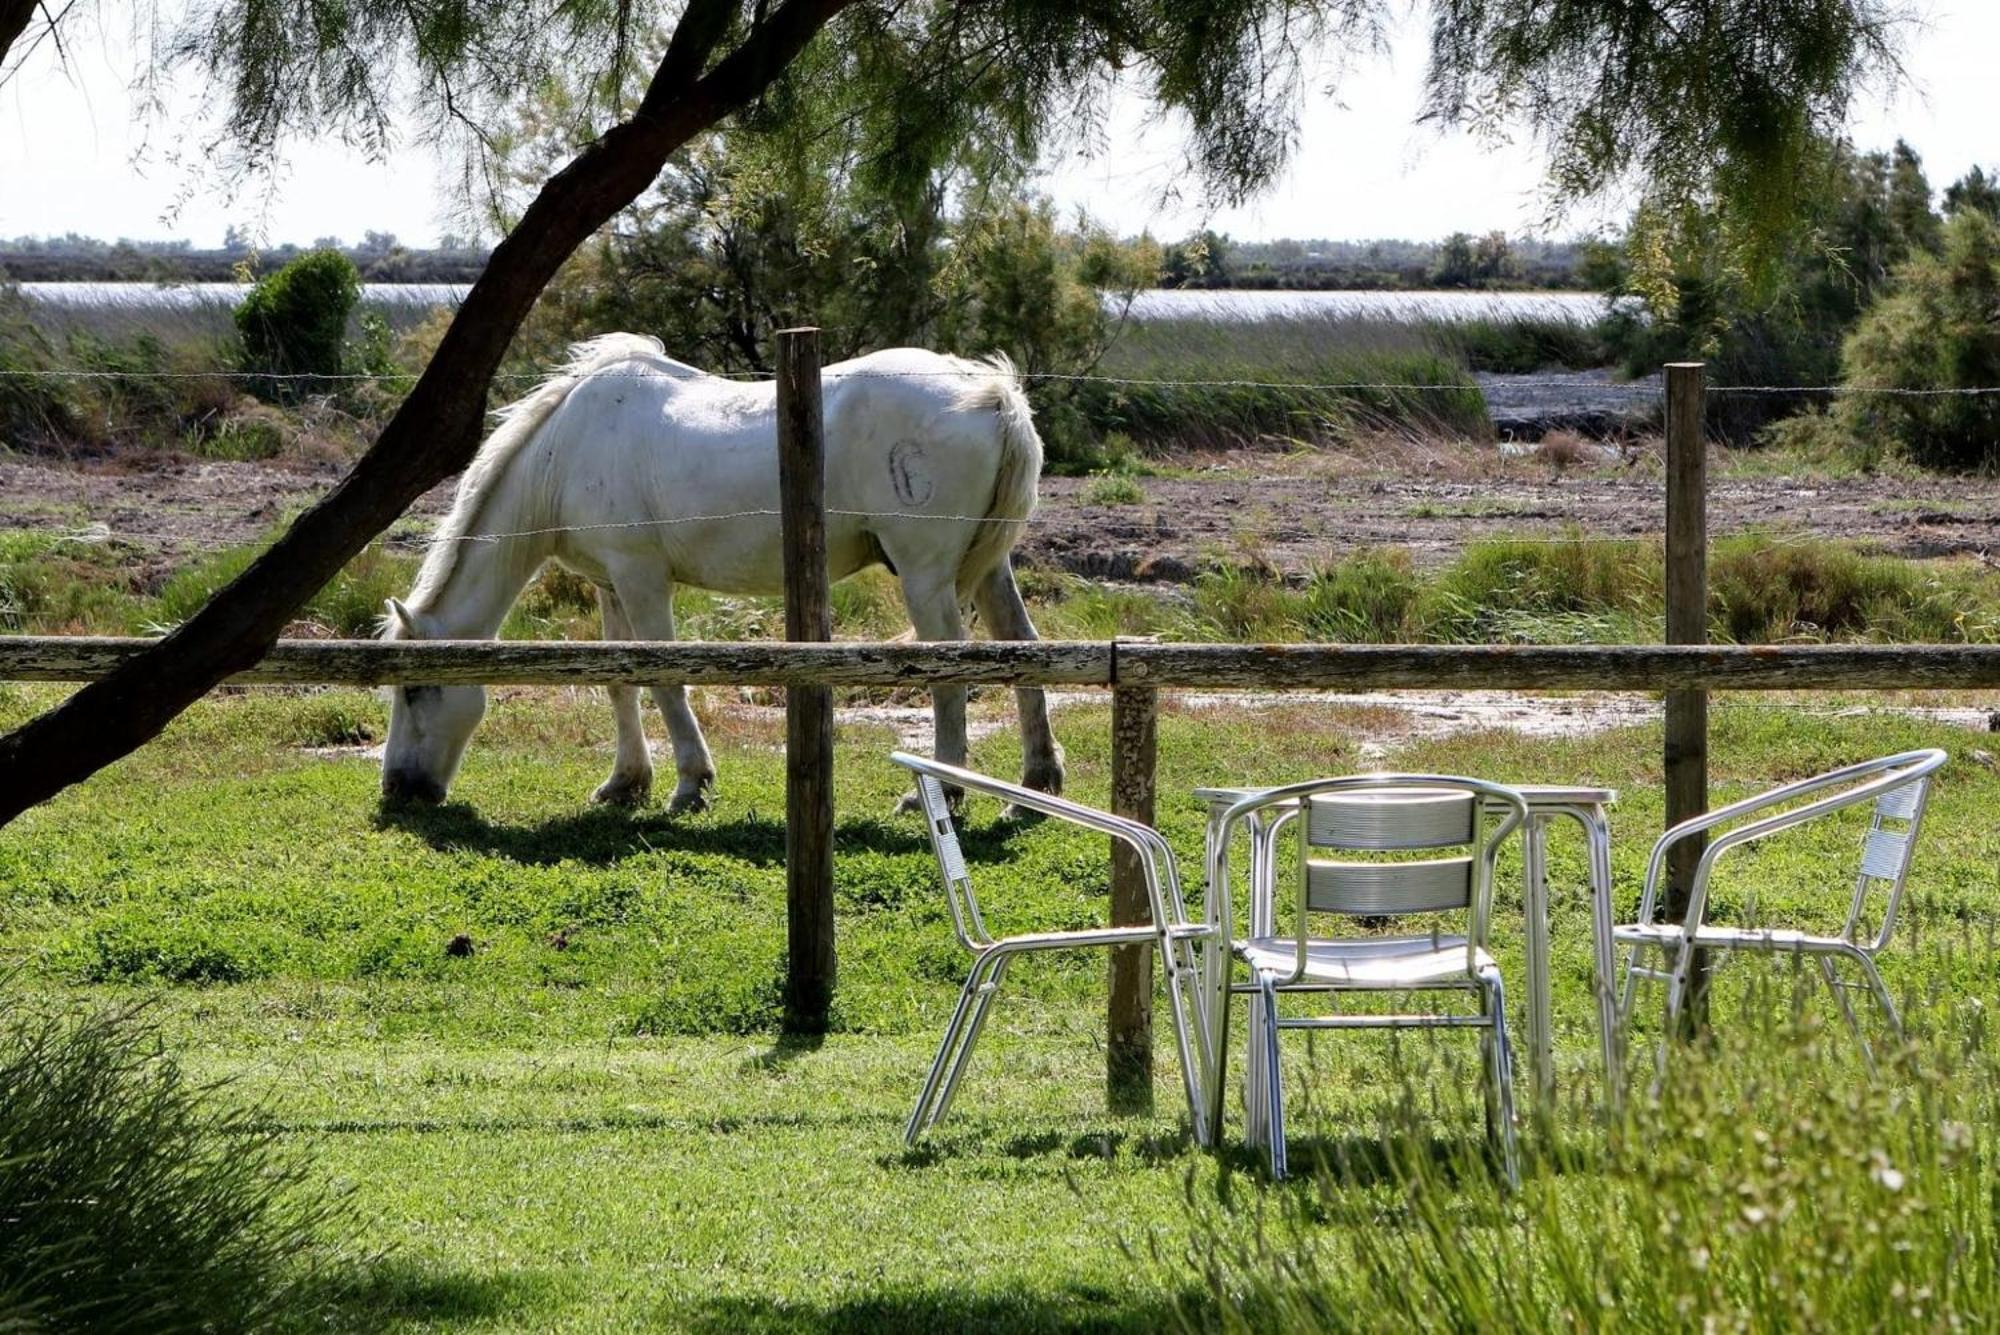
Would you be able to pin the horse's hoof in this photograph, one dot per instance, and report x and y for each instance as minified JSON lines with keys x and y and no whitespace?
{"x":1045,"y":778}
{"x":911,"y":804}
{"x":690,"y":800}
{"x":615,"y":792}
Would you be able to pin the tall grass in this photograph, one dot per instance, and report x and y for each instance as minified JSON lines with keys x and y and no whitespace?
{"x":1255,"y":370}
{"x":1267,"y":361}
{"x":1743,"y":1195}
{"x":1578,"y":590}
{"x":132,"y":1200}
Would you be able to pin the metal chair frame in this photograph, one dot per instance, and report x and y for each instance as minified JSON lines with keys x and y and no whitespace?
{"x":1898,"y":785}
{"x":1274,"y":809}
{"x":1171,"y":931}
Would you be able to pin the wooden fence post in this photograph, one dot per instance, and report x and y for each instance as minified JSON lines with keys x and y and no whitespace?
{"x":1687,"y":623}
{"x":1128,"y":1070}
{"x":810,"y":960}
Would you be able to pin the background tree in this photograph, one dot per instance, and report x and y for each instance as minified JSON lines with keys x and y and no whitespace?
{"x":1975,"y":190}
{"x":1938,"y":328}
{"x":1718,"y":98}
{"x":1774,"y":311}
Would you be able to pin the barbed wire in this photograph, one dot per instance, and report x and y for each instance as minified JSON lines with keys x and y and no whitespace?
{"x":1633,"y":387}
{"x":100,"y":533}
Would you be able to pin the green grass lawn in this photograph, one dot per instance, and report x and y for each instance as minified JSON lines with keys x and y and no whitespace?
{"x":589,"y":1122}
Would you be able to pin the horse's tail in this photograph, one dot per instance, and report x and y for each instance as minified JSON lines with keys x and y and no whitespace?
{"x":1018,"y":477}
{"x":519,"y":421}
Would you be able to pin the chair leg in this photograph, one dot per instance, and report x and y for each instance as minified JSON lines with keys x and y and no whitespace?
{"x":920,"y":1120}
{"x":972,"y":1028}
{"x":1832,"y":979}
{"x":1881,"y":991}
{"x":1274,"y":1093}
{"x":1499,"y":1075}
{"x":1194,"y":1054}
{"x":1218,"y":1075}
{"x":1677,"y":984}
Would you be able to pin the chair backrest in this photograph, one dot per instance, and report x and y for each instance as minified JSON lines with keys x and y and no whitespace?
{"x":965,"y":916}
{"x":1394,"y":814}
{"x":1887,"y":850}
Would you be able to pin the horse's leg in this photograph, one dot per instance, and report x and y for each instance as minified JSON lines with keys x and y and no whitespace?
{"x":998,"y":599}
{"x":933,"y":606}
{"x":649,"y":609}
{"x":631,"y":780}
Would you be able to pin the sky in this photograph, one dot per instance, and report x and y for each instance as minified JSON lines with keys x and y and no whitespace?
{"x":76,"y":156}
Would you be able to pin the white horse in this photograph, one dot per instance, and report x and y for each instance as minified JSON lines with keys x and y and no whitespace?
{"x":638,"y":473}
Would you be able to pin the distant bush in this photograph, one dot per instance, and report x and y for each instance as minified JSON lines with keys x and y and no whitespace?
{"x":294,"y":323}
{"x":1937,"y":329}
{"x":132,"y":1200}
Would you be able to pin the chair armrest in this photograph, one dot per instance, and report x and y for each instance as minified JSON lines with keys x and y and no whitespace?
{"x":1894,"y":772}
{"x":1156,"y":856}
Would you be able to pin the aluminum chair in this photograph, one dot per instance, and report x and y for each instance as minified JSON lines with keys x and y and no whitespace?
{"x":1376,"y":813}
{"x":1899,"y":787}
{"x":1178,"y":940}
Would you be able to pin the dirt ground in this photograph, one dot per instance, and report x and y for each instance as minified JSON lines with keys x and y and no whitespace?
{"x":1286,"y":511}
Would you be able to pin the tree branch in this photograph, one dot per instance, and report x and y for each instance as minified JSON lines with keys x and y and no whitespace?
{"x":433,"y":434}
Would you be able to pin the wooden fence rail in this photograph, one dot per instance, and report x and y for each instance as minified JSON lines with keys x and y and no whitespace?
{"x":1366,"y":667}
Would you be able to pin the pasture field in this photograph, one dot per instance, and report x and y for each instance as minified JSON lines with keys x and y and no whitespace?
{"x":532,"y":1044}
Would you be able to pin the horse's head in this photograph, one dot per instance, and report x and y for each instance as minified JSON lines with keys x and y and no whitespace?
{"x":428,"y":725}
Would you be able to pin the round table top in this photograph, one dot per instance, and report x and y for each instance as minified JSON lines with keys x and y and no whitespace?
{"x":1537,"y":795}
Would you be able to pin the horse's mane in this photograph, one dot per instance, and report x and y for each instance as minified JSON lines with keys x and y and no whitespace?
{"x":519,"y":421}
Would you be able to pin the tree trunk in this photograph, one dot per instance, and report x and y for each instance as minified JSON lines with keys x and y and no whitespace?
{"x":436,"y":430}
{"x":14,"y":16}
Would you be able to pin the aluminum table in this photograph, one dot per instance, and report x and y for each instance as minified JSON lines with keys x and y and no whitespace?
{"x":1546,"y":803}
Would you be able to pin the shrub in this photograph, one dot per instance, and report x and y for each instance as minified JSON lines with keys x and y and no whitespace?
{"x":1938,"y":329}
{"x":1114,"y":489}
{"x":133,"y":1200}
{"x":294,"y":323}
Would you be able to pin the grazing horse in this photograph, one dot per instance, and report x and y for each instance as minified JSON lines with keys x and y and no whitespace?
{"x":638,"y":473}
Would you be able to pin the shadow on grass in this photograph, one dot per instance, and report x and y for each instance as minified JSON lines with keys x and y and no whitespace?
{"x":785,"y":1049}
{"x":1361,"y":1160}
{"x":973,"y":1146}
{"x":396,"y":1293}
{"x":1088,"y":1309}
{"x":605,"y":836}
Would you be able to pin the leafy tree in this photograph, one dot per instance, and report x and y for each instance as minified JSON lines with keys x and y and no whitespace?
{"x":1703,"y":98}
{"x":1937,"y":329}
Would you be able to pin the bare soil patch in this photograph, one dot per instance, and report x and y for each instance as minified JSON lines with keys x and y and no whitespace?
{"x":1283,"y":511}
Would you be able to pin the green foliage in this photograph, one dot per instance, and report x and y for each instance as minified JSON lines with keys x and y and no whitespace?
{"x":1976,"y":190}
{"x":132,"y":1199}
{"x":1776,"y":316}
{"x":1937,"y":330}
{"x":1523,"y":346}
{"x":293,"y":324}
{"x":1713,"y":100}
